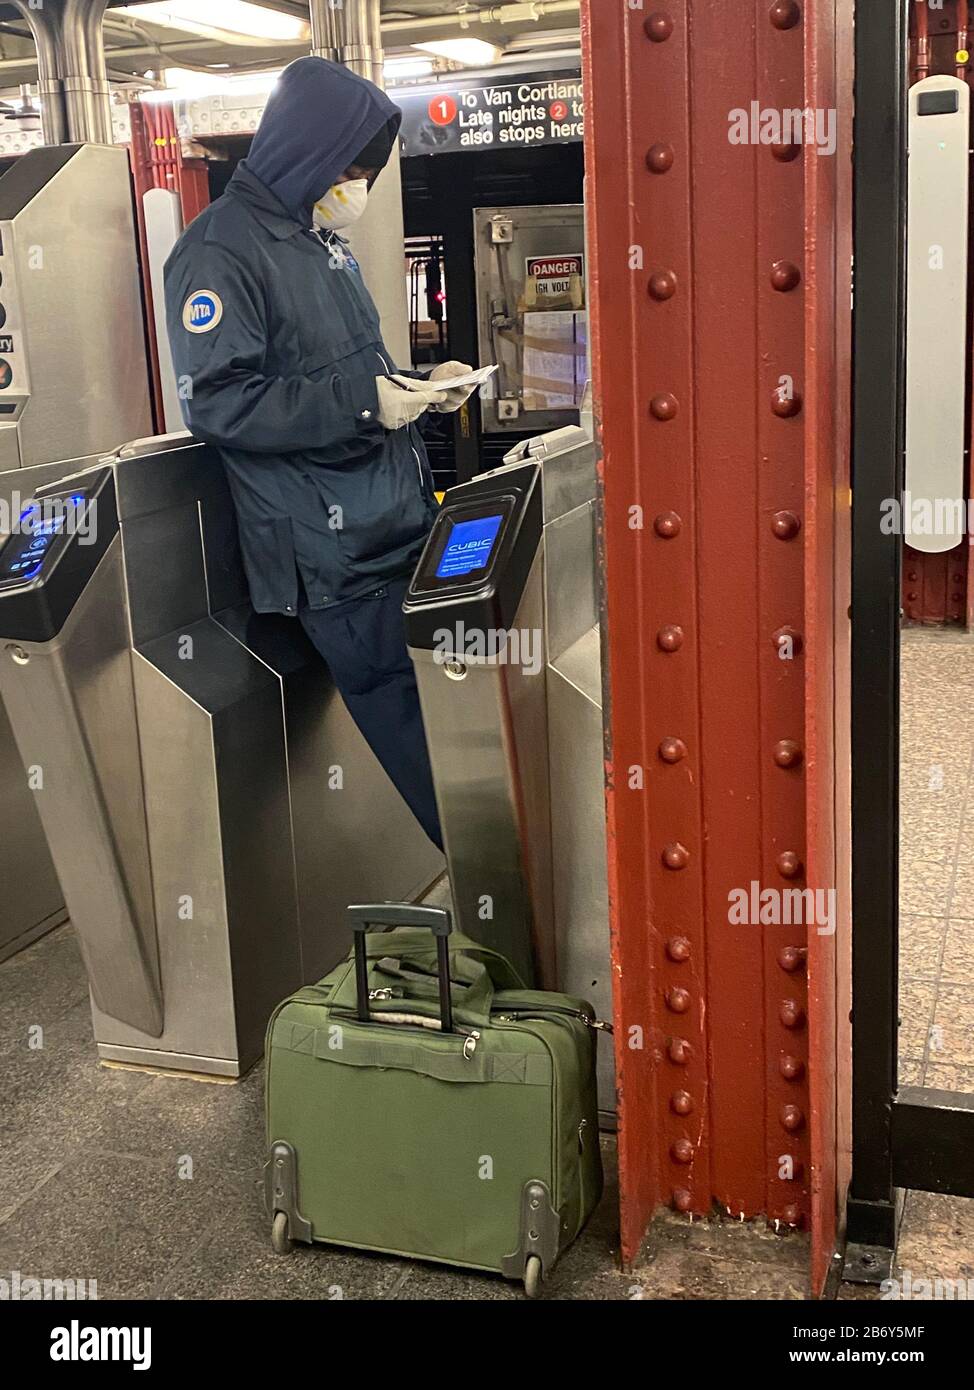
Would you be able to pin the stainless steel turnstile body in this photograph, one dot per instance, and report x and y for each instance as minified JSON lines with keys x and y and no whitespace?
{"x":73,"y":375}
{"x":516,"y":743}
{"x":73,"y":381}
{"x":210,"y":807}
{"x":31,"y":900}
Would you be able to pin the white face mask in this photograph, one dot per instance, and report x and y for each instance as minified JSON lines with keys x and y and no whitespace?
{"x":342,"y":205}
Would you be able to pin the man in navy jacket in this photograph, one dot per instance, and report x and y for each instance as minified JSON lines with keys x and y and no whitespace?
{"x":276,"y":342}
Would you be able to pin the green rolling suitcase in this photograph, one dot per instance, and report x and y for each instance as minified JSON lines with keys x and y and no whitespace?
{"x":420,"y":1103}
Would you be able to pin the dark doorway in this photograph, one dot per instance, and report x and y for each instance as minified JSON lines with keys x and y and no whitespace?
{"x":905,"y":1136}
{"x":440,"y":193}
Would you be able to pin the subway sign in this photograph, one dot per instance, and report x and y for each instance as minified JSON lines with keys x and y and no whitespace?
{"x":538,"y":111}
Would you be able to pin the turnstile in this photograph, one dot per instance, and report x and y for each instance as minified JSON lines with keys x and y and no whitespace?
{"x":503,"y":627}
{"x":210,"y":806}
{"x":73,"y":380}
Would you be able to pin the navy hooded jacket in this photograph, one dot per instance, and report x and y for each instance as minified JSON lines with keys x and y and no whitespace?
{"x":276,"y":346}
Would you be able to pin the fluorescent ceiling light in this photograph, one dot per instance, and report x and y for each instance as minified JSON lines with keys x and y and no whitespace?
{"x":226,"y":19}
{"x":472,"y":53}
{"x":185,"y":84}
{"x":189,"y":77}
{"x":406,"y":67}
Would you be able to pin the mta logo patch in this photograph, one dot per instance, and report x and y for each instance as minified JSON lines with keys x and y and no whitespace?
{"x":202,"y":311}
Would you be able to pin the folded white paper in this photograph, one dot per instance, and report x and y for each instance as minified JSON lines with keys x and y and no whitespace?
{"x":450,"y":383}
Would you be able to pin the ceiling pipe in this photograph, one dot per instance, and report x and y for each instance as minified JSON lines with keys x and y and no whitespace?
{"x":350,"y":34}
{"x":491,"y":14}
{"x":87,"y":94}
{"x":72,"y":77}
{"x":54,"y":129}
{"x":178,"y":51}
{"x":506,"y":68}
{"x":374,"y":17}
{"x":326,"y":31}
{"x":328,"y":40}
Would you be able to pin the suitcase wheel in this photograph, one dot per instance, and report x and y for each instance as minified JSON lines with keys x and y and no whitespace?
{"x":281,"y":1242}
{"x":533,"y":1275}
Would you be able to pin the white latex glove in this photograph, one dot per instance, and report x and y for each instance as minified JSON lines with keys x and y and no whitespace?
{"x":459,"y":394}
{"x":399,"y":407}
{"x":452,"y":400}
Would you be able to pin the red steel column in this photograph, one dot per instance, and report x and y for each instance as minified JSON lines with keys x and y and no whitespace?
{"x":639,"y":205}
{"x":142,"y":166}
{"x":705,"y":330}
{"x":829,"y":74}
{"x":157,"y":161}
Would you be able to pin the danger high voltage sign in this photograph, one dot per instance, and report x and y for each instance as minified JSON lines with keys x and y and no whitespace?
{"x":535,"y":112}
{"x":553,"y":274}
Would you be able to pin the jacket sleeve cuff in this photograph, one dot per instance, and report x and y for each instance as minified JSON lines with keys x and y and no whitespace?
{"x":366,"y":406}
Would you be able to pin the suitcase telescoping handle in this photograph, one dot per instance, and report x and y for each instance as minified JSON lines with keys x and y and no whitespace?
{"x":366,"y":917}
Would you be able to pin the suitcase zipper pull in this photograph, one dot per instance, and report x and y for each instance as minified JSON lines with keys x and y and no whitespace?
{"x":381,"y":994}
{"x":596,"y":1024}
{"x":582,"y":1125}
{"x":470,"y":1043}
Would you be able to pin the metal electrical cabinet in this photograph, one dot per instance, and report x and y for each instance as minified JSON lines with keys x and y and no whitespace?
{"x":531,"y":314}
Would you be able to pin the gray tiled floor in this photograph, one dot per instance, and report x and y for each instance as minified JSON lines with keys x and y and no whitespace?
{"x":937,"y":908}
{"x":937,"y":859}
{"x":150,"y":1184}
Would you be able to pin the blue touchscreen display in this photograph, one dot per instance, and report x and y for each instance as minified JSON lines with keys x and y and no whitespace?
{"x":23,"y":554}
{"x":469,"y":546}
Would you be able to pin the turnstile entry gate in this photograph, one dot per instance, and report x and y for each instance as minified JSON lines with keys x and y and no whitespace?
{"x":210,"y":806}
{"x":73,"y":381}
{"x":502,"y":620}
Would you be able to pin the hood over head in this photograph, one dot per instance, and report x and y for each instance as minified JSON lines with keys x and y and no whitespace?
{"x":318,"y":119}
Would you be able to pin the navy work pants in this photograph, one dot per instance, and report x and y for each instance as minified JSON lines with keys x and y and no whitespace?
{"x":363,"y":643}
